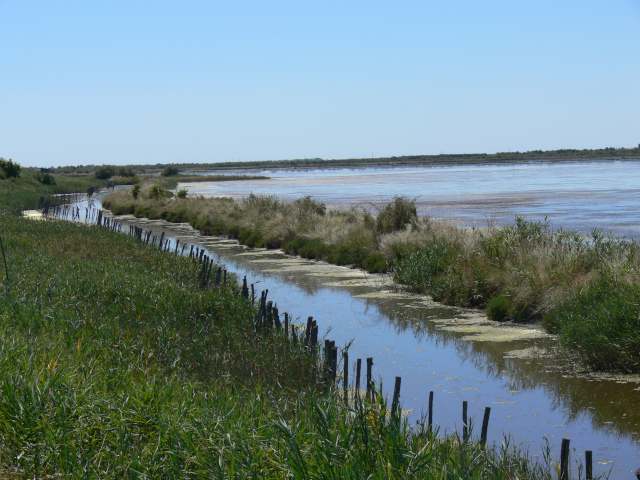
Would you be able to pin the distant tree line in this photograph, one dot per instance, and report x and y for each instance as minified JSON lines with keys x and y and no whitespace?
{"x":107,"y":171}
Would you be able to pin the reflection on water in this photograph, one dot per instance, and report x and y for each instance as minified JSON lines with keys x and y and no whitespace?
{"x":409,"y":336}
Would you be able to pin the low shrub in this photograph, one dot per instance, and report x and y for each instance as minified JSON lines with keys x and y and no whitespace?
{"x":170,"y":171}
{"x":396,"y":215}
{"x":104,"y":172}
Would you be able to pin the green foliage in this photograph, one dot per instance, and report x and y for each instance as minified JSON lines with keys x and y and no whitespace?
{"x":9,"y":169}
{"x":46,"y":179}
{"x":156,"y":192}
{"x":125,"y":172}
{"x":170,"y":171}
{"x":104,"y":172}
{"x":181,"y":193}
{"x":135,"y":191}
{"x":306,"y":207}
{"x":396,"y":215}
{"x":428,"y":268}
{"x":602,"y":320}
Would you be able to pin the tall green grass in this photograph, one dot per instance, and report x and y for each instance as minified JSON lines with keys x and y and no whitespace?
{"x":115,"y":364}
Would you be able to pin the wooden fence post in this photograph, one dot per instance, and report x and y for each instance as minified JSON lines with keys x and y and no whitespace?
{"x":369,"y":386}
{"x":430,"y":417}
{"x":485,"y":425}
{"x":564,"y":459}
{"x":465,"y":425}
{"x":345,"y":377}
{"x":396,"y":398}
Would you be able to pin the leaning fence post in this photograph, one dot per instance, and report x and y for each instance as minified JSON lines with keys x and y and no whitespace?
{"x":276,"y":318}
{"x":485,"y":425}
{"x":6,"y":268}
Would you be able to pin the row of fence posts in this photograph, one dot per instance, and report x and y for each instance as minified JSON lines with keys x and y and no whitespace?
{"x":267,"y":318}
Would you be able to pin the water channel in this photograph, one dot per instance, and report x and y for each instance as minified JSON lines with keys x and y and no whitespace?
{"x":454,"y":352}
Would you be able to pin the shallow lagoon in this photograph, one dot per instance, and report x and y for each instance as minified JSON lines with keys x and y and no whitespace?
{"x":573,"y":195}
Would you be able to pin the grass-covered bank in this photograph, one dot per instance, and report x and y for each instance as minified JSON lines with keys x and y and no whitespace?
{"x":522,"y":272}
{"x":25,"y":191}
{"x":115,"y":364}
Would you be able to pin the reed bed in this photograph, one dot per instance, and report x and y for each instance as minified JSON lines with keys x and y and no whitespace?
{"x":114,"y":363}
{"x":523,"y":272}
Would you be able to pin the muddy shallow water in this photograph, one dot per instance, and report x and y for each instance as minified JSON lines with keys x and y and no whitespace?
{"x":573,"y":195}
{"x":457,"y":353}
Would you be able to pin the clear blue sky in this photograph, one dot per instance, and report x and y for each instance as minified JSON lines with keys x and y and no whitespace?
{"x":124,"y":82}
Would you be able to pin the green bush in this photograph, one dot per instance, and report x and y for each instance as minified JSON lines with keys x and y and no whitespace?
{"x":181,"y":193}
{"x":498,"y":308}
{"x":9,"y":169}
{"x":601,"y":320}
{"x":396,"y":215}
{"x":105,"y":172}
{"x":170,"y":171}
{"x":135,"y":191}
{"x":126,"y":172}
{"x":46,"y":179}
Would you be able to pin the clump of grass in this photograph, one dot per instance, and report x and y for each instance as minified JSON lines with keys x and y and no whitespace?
{"x":396,"y":215}
{"x":602,"y":319}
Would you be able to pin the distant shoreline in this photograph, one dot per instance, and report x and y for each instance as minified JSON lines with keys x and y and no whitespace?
{"x":317,"y":164}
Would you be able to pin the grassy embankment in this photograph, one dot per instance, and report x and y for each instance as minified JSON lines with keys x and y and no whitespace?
{"x":24,"y":192}
{"x":587,"y":290}
{"x":115,"y":364}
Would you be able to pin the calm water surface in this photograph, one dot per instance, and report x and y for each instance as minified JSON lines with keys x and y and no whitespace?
{"x":574,"y":195}
{"x":531,"y":399}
